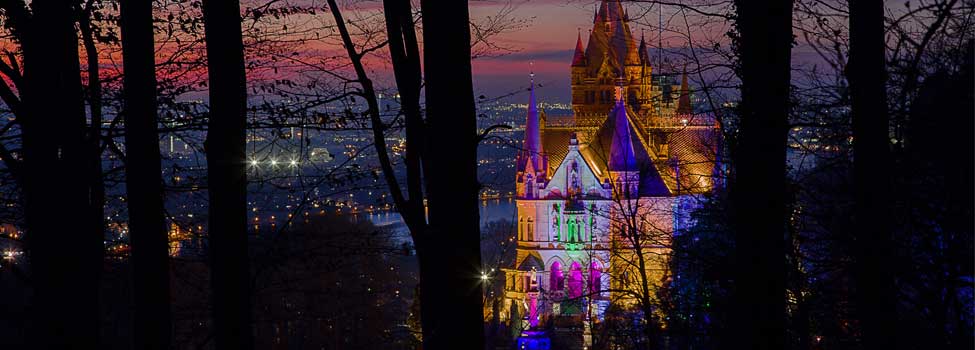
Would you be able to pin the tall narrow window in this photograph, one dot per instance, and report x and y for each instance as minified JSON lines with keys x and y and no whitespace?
{"x":555,"y":224}
{"x":555,"y":280}
{"x":571,"y":230}
{"x":595,"y":278}
{"x":579,"y":234}
{"x":575,"y":280}
{"x":531,"y":230}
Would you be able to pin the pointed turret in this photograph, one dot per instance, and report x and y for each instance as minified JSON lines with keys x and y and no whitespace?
{"x":622,"y":156}
{"x":642,"y":51}
{"x":684,"y":101}
{"x":579,"y":59}
{"x":614,"y":10}
{"x":532,"y":165}
{"x":601,"y":16}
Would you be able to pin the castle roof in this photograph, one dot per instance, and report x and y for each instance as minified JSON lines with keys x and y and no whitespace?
{"x":621,"y":150}
{"x":530,"y":261}
{"x":619,"y":146}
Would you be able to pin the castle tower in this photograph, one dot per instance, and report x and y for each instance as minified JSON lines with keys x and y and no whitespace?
{"x":610,"y":54}
{"x":626,"y":126}
{"x":532,"y":165}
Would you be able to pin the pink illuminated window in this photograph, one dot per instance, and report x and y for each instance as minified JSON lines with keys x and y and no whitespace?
{"x":556,"y":280}
{"x":595,"y":278}
{"x":575,"y":280}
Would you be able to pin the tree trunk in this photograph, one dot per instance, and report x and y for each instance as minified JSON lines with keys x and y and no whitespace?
{"x":759,"y":190}
{"x":871,"y":174}
{"x":65,"y":260}
{"x":225,"y":148}
{"x":96,"y":181}
{"x":143,"y":174}
{"x":457,"y":320}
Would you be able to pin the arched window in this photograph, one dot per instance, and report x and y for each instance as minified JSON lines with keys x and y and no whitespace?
{"x":595,"y":278}
{"x":575,"y":280}
{"x":555,"y":280}
{"x":531,"y":229}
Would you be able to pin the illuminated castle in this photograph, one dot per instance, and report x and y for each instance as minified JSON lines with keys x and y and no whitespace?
{"x":633,"y":141}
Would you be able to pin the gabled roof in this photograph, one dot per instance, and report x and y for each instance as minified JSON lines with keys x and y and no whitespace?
{"x":531,"y":261}
{"x":599,"y":152}
{"x":621,"y":149}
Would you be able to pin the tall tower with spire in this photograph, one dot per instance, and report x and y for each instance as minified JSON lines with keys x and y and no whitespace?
{"x":532,"y":167}
{"x":611,"y":53}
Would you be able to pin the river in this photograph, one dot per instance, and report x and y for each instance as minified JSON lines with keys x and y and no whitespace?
{"x":490,"y":210}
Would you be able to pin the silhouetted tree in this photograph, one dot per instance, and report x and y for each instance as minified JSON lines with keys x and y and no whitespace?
{"x":758,"y":187}
{"x":55,"y":148}
{"x":227,"y":180}
{"x":866,"y":72}
{"x":143,"y":185}
{"x":453,"y":189}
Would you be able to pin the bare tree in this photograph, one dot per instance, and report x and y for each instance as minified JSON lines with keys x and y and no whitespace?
{"x":227,"y":180}
{"x":54,"y":143}
{"x":147,"y":222}
{"x":866,"y":73}
{"x":764,"y":41}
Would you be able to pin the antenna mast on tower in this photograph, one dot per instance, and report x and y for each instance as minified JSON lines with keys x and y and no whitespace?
{"x":660,"y":36}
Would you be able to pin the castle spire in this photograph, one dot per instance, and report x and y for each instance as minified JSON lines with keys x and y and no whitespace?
{"x":533,"y":142}
{"x":614,"y":10}
{"x":684,"y":101}
{"x":642,"y":51}
{"x":580,"y":57}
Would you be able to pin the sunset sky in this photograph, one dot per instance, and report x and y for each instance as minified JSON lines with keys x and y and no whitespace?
{"x":548,"y":41}
{"x":550,"y":37}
